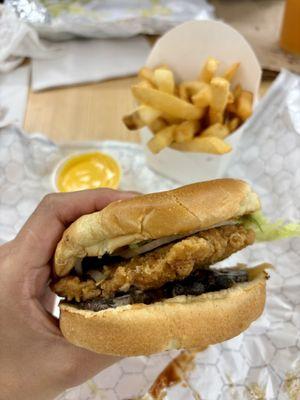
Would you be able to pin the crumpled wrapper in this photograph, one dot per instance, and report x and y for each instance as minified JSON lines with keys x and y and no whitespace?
{"x":262,"y":363}
{"x":59,"y":20}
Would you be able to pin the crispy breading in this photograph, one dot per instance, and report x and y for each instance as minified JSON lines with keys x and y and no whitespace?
{"x":72,"y":288}
{"x":174,"y":261}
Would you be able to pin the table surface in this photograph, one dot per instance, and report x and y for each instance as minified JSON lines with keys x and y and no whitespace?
{"x":86,"y":112}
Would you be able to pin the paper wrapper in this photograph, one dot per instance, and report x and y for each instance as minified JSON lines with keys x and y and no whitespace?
{"x":56,"y":19}
{"x":266,"y":358}
{"x":185,"y":49}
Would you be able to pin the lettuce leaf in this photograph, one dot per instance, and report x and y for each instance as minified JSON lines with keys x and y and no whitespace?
{"x":266,"y":230}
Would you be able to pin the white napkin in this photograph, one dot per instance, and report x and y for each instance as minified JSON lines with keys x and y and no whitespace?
{"x":18,"y":40}
{"x":90,"y":60}
{"x":13,"y":96}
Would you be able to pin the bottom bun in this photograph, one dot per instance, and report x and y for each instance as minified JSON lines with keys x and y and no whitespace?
{"x":187,"y":322}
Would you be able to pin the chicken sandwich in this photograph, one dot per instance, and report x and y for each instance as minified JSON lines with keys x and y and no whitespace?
{"x":138,"y":277}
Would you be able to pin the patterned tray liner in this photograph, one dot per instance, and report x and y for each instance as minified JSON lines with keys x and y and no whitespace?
{"x":267,"y":354}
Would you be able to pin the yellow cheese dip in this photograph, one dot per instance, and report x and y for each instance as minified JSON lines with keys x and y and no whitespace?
{"x":88,"y":171}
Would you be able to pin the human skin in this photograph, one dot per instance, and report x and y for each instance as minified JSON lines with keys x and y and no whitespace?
{"x":36,"y":362}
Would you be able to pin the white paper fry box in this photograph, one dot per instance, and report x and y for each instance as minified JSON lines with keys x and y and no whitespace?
{"x":185,"y":49}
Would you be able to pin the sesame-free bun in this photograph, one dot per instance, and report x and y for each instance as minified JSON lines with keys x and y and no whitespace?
{"x":182,"y":322}
{"x":152,"y":216}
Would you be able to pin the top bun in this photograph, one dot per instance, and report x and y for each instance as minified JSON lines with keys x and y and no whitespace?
{"x":152,"y":216}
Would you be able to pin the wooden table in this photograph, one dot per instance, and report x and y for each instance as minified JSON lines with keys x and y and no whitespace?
{"x":94,"y":111}
{"x":87,"y":112}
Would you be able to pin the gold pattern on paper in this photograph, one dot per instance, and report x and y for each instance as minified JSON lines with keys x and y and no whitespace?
{"x":156,"y":9}
{"x":292,"y":384}
{"x":256,"y":392}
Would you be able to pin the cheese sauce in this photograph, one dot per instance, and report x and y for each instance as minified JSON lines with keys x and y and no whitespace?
{"x":88,"y":171}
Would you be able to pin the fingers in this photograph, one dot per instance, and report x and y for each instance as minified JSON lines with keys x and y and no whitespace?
{"x":66,"y":207}
{"x":83,"y":364}
{"x":40,"y":234}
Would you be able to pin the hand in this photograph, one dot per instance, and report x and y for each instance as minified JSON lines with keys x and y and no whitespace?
{"x":36,"y":362}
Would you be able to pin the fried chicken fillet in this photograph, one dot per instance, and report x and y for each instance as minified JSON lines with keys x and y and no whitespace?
{"x":171,"y":262}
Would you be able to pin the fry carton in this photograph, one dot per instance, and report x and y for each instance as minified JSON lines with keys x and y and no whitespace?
{"x":185,"y":49}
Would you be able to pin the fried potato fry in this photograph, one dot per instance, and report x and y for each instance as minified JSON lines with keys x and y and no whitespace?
{"x":157,"y":125}
{"x":175,"y":113}
{"x":148,"y":114}
{"x":166,"y":103}
{"x":189,"y":89}
{"x":183,"y":92}
{"x":244,"y":105}
{"x":203,"y":97}
{"x":233,"y":124}
{"x":147,"y":74}
{"x":144,"y":115}
{"x":209,"y":70}
{"x":162,"y":139}
{"x":164,"y":80}
{"x":186,"y":131}
{"x":230,"y":99}
{"x":133,"y":121}
{"x":231,"y":71}
{"x":145,"y":84}
{"x":237,"y":91}
{"x":171,"y":120}
{"x":216,"y":130}
{"x":220,"y":91}
{"x":219,"y":95}
{"x":216,"y":117}
{"x":211,"y":145}
{"x":231,"y":106}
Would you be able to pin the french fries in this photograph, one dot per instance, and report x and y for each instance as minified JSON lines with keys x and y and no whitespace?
{"x":164,"y":80}
{"x":231,"y":71}
{"x":162,"y":139}
{"x":244,"y":105}
{"x":148,"y":75}
{"x":211,"y":145}
{"x":237,"y":91}
{"x":183,"y":92}
{"x":133,"y":121}
{"x":219,"y":96}
{"x":217,"y":130}
{"x":232,"y":104}
{"x":209,"y":70}
{"x":186,"y":131}
{"x":144,"y":115}
{"x":157,"y":125}
{"x":233,"y":124}
{"x":230,"y":99}
{"x":192,"y":116}
{"x":188,"y":89}
{"x":148,"y":114}
{"x":166,"y":103}
{"x":145,"y":84}
{"x":203,"y":97}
